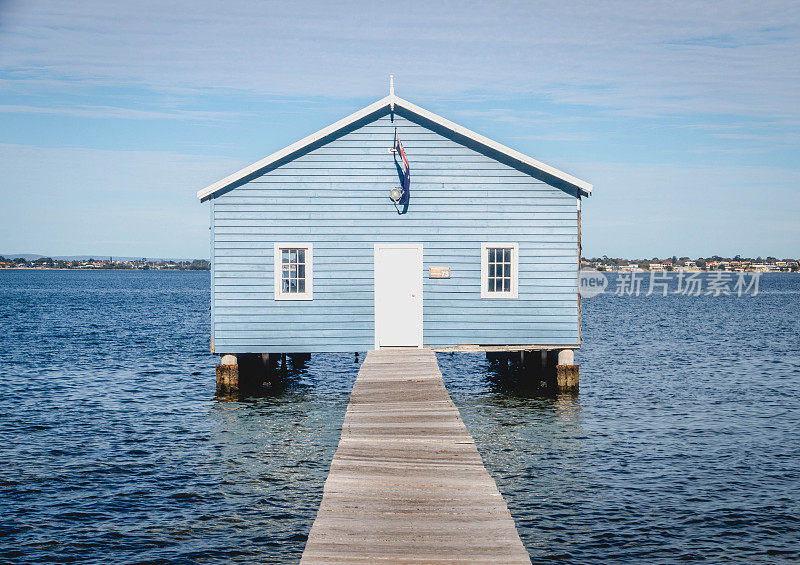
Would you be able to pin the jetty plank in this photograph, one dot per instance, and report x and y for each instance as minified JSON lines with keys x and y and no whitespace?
{"x":407,"y":484}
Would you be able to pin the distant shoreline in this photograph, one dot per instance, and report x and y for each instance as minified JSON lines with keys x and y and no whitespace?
{"x":92,"y":269}
{"x":208,"y":269}
{"x":693,"y":272}
{"x":110,"y":264}
{"x":687,"y":271}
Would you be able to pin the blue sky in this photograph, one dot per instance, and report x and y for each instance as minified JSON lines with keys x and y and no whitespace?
{"x":684,"y":115}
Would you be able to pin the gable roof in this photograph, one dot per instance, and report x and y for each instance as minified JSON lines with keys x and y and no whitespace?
{"x":381,"y":106}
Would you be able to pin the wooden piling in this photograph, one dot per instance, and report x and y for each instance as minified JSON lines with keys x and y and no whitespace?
{"x":566,"y":371}
{"x":407,"y":484}
{"x":228,"y":375}
{"x":248,"y":373}
{"x":567,"y":378}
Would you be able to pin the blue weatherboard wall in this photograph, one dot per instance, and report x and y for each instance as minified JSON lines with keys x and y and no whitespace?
{"x":336,"y":197}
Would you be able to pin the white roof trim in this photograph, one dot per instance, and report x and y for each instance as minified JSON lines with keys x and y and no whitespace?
{"x":392,"y":100}
{"x":584,"y":186}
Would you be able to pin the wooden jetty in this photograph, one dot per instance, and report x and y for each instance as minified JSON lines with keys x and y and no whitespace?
{"x":407,"y":484}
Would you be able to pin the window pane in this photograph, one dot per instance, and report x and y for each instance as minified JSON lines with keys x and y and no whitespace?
{"x":293,"y":271}
{"x":500,"y":261}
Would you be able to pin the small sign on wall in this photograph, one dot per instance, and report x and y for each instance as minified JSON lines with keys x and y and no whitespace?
{"x":439,"y":272}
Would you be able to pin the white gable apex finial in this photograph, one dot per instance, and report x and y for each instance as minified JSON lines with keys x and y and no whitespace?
{"x":391,"y":92}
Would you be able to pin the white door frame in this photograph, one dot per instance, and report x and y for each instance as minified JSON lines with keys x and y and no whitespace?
{"x":418,"y":247}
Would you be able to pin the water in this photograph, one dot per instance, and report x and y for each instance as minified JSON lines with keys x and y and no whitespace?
{"x":682,"y":444}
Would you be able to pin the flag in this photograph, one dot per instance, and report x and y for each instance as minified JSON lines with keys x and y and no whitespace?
{"x":404,"y":166}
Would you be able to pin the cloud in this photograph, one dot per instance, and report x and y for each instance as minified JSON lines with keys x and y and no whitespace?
{"x":642,"y":58}
{"x":679,"y":82}
{"x":117,"y":113}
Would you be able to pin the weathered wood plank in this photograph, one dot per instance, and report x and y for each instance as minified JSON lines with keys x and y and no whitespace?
{"x":407,"y":484}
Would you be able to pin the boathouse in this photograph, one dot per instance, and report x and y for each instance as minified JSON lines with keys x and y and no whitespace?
{"x":395,"y":227}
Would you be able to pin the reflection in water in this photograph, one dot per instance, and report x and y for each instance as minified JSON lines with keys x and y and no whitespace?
{"x":520,"y":374}
{"x":268,"y":376}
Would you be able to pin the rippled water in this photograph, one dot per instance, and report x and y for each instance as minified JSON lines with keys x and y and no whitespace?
{"x":682,"y":444}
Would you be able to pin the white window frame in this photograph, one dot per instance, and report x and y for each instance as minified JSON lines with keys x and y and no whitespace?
{"x":514,"y":293}
{"x":309,"y":293}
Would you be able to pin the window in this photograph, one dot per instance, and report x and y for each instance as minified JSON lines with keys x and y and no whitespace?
{"x":499,"y":270}
{"x":293,"y":271}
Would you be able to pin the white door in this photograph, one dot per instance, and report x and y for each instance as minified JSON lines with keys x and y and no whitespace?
{"x":398,"y":295}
